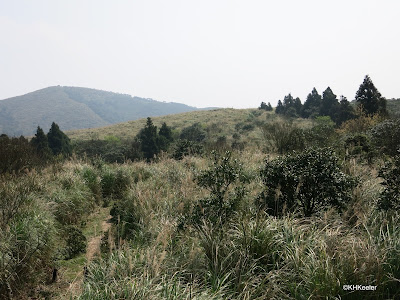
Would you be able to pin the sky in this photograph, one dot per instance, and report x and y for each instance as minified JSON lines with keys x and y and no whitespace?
{"x":219,"y":53}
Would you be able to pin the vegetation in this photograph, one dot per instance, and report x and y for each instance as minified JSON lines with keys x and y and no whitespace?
{"x":225,"y":204}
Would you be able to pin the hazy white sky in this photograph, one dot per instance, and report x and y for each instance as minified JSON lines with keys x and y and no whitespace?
{"x":222,"y":53}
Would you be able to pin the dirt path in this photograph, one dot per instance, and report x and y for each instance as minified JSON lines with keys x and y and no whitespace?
{"x":74,"y":288}
{"x":93,"y":247}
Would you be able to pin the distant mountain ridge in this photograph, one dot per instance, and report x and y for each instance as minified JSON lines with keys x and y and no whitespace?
{"x":77,"y":108}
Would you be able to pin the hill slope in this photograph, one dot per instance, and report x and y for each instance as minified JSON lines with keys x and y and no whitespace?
{"x":77,"y":108}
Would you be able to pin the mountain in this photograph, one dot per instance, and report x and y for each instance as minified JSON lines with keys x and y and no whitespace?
{"x":77,"y":108}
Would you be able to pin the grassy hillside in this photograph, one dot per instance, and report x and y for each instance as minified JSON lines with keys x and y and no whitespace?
{"x":74,"y":108}
{"x":217,"y":122}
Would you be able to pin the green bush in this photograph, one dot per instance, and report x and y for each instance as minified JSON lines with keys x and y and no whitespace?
{"x":390,"y":197}
{"x":75,"y":241}
{"x":283,"y":137}
{"x":322,"y":134}
{"x":114,"y":184}
{"x":92,"y":180}
{"x":27,"y":236}
{"x":309,"y":181}
{"x":185,"y":147}
{"x":224,"y":179}
{"x":386,"y":136}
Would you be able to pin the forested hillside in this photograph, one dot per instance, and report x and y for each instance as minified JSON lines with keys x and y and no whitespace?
{"x":75,"y":108}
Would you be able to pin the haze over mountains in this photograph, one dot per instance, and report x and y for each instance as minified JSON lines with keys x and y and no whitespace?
{"x":77,"y":108}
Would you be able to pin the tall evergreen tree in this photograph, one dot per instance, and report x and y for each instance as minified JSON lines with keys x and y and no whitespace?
{"x":148,"y":137}
{"x":369,"y":97}
{"x":279,"y":108}
{"x":59,"y":142}
{"x":345,"y":111}
{"x":165,"y":137}
{"x":312,"y":105}
{"x":41,"y":144}
{"x":329,"y":104}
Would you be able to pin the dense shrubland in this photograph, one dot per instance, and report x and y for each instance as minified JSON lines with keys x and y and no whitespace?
{"x":200,"y":214}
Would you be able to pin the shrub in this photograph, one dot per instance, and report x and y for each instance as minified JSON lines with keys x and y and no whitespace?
{"x":114,"y":184}
{"x":322,"y":133}
{"x":194,"y":133}
{"x":224,"y":179}
{"x":390,"y":197}
{"x":16,"y":155}
{"x":26,"y":238}
{"x":76,"y":241}
{"x":283,"y":137}
{"x":185,"y":147}
{"x":386,"y":136}
{"x":308,"y":181}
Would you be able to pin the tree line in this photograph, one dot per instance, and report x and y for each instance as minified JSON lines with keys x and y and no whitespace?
{"x":339,"y":110}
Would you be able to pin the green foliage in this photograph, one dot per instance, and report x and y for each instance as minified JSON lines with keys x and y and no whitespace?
{"x":386,"y":136}
{"x":345,"y":111}
{"x":390,"y":197}
{"x":26,"y":238}
{"x":359,"y":145}
{"x":283,"y":137}
{"x":165,"y":137}
{"x":193,"y":133}
{"x":41,"y":144}
{"x":309,"y":181}
{"x":148,"y":138}
{"x":311,"y":107}
{"x":75,"y":241}
{"x":266,"y":107}
{"x":224,"y":179}
{"x":114,"y":183}
{"x":59,"y":142}
{"x":370,"y":99}
{"x":290,"y":107}
{"x":185,"y":147}
{"x":110,"y":150}
{"x":329,"y":104}
{"x":92,"y":180}
{"x":17,"y":155}
{"x":322,"y":134}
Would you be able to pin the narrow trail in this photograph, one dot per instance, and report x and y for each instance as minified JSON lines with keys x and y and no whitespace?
{"x":93,"y":247}
{"x":74,"y":287}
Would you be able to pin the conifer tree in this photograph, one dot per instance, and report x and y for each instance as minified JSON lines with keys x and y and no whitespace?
{"x":59,"y":142}
{"x":329,"y":104}
{"x":370,"y":99}
{"x":41,"y":144}
{"x":312,"y":105}
{"x":279,"y":108}
{"x":345,"y":111}
{"x":149,"y":140}
{"x":165,"y":137}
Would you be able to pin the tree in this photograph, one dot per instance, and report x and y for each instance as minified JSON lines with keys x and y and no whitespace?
{"x":291,"y":107}
{"x":41,"y":144}
{"x":329,"y":104}
{"x":266,"y":107}
{"x":262,"y":105}
{"x":370,"y":99}
{"x":279,"y":108}
{"x":345,"y":111}
{"x":58,"y":141}
{"x":149,"y":140}
{"x":312,"y":105}
{"x":165,"y":137}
